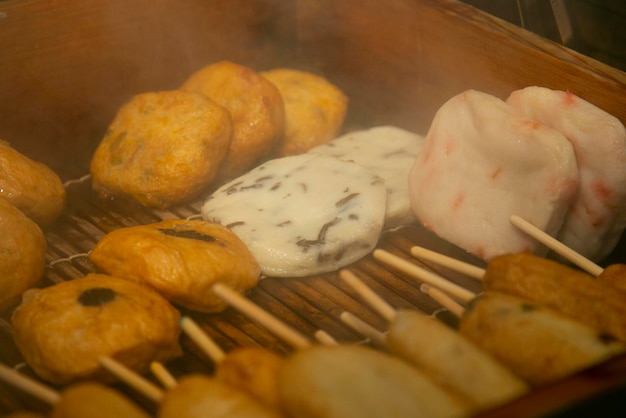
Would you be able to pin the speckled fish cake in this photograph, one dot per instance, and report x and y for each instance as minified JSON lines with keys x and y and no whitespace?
{"x":63,"y":330}
{"x":303,"y":215}
{"x":388,"y":151}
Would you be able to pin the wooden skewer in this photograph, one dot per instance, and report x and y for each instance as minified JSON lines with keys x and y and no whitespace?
{"x":206,"y":344}
{"x":369,"y":296}
{"x":131,"y":378}
{"x":414,"y":271}
{"x":376,"y":337}
{"x":325,"y":338}
{"x":254,"y":312}
{"x":459,"y":266}
{"x":164,"y":376}
{"x":443,"y":299}
{"x":388,"y":312}
{"x":28,"y":385}
{"x":556,"y":246}
{"x":376,"y":302}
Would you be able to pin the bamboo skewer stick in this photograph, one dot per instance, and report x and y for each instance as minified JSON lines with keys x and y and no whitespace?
{"x":556,"y":246}
{"x":376,"y":302}
{"x":254,"y":312}
{"x":163,"y":375}
{"x":459,"y":266}
{"x":28,"y":385}
{"x":202,"y":340}
{"x":443,"y":299}
{"x":363,"y":328}
{"x":388,"y":312}
{"x":325,"y":338}
{"x":536,"y":233}
{"x":418,"y":273}
{"x":369,"y":296}
{"x":131,"y":378}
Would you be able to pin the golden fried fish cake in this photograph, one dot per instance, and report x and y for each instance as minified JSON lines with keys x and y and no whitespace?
{"x":614,"y":275}
{"x":201,"y":396}
{"x":95,"y":400}
{"x":254,"y":370}
{"x":23,"y":414}
{"x":62,"y":330}
{"x":31,"y":186}
{"x":162,"y":148}
{"x":23,"y":248}
{"x":181,"y":259}
{"x":315,"y":109}
{"x":255,"y":104}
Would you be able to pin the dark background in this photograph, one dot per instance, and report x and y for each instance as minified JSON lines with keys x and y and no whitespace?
{"x":598,"y":27}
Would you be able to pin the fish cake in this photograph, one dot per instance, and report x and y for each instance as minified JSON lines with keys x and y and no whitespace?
{"x":536,"y":342}
{"x":199,"y":396}
{"x":181,"y":259}
{"x":162,"y":148}
{"x":315,"y":109}
{"x":253,"y":370}
{"x":565,"y":289}
{"x":389,"y":152}
{"x":356,"y":381}
{"x":597,"y":217}
{"x":95,"y":400}
{"x":24,"y":414}
{"x":452,"y":360}
{"x":256,"y":107}
{"x":614,"y":275}
{"x":31,"y":186}
{"x":481,"y":163}
{"x":23,"y":248}
{"x":303,"y":214}
{"x":62,"y":330}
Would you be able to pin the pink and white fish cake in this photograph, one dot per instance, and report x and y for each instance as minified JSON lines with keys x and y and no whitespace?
{"x":597,"y":217}
{"x":479,"y":165}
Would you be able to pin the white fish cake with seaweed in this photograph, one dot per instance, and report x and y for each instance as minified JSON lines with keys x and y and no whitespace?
{"x":388,"y":151}
{"x":302,"y":215}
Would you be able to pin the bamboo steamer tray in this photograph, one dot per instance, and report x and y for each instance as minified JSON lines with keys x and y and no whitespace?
{"x":67,"y":66}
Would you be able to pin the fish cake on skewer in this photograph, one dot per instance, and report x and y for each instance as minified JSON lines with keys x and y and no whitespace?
{"x":570,"y":291}
{"x":80,"y":400}
{"x":614,"y":275}
{"x":179,"y":258}
{"x":446,"y":356}
{"x":62,"y":330}
{"x":199,"y":396}
{"x":253,"y":370}
{"x":452,"y":359}
{"x":594,"y":224}
{"x":538,"y":343}
{"x":350,"y":380}
{"x":481,"y":163}
{"x":94,"y":400}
